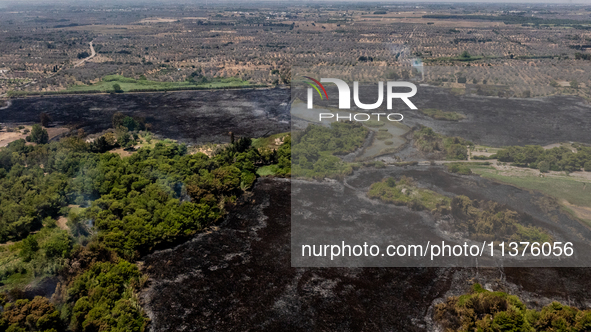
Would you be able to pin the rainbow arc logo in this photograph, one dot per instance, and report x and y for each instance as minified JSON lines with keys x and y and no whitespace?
{"x":316,"y":88}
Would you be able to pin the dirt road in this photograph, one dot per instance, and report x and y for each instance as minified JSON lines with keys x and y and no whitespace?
{"x":92,"y":54}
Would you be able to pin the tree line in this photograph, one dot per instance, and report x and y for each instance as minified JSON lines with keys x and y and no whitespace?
{"x":555,"y":159}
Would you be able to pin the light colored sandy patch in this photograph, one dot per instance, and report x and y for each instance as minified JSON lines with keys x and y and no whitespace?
{"x":121,"y":152}
{"x":6,"y":137}
{"x":223,"y":31}
{"x":279,"y":141}
{"x":158,"y":20}
{"x":581,"y":175}
{"x":564,"y":83}
{"x":57,"y":131}
{"x":580,"y":211}
{"x":62,"y":223}
{"x":208,"y":151}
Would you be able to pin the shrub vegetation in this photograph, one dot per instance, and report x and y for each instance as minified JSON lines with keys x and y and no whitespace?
{"x":486,"y":311}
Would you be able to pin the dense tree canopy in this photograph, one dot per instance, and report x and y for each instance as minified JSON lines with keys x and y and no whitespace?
{"x":453,"y":148}
{"x":125,"y":206}
{"x":556,"y":159}
{"x":103,"y":299}
{"x":29,"y":315}
{"x":314,"y":150}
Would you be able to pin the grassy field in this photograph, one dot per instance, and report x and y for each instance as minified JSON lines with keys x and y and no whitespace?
{"x":129,"y":84}
{"x":404,"y":192}
{"x":268,"y":142}
{"x":576,"y":192}
{"x":268,"y":170}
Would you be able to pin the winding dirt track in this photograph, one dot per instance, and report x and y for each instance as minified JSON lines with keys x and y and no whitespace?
{"x":92,"y":54}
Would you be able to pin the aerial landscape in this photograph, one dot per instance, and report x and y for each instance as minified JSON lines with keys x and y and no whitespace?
{"x":176,"y":166}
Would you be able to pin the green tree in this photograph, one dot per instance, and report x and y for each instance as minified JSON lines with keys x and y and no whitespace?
{"x":31,"y":315}
{"x":117,"y":88}
{"x":124,"y":139}
{"x":39,"y":135}
{"x":588,"y":166}
{"x":59,"y":245}
{"x":129,"y":123}
{"x":29,"y":247}
{"x":544,"y":166}
{"x":102,"y":299}
{"x":117,"y":119}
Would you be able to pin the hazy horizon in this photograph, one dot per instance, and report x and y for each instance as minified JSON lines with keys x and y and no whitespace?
{"x":287,"y":2}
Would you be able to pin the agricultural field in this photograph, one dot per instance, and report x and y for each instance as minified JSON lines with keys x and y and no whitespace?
{"x":572,"y":192}
{"x":124,"y":84}
{"x":66,"y":49}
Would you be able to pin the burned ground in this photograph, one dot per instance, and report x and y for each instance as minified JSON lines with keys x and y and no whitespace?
{"x":239,"y":278}
{"x":208,"y":116}
{"x":188,"y":116}
{"x":501,"y":121}
{"x":491,"y":121}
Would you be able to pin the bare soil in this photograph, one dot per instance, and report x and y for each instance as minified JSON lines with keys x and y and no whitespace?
{"x":8,"y":137}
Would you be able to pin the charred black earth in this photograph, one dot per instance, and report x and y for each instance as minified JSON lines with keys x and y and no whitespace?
{"x":491,"y":121}
{"x":238,"y":277}
{"x":188,"y":116}
{"x":498,"y":121}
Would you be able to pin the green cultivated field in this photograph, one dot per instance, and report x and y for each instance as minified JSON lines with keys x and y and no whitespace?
{"x":576,"y":192}
{"x":129,"y":84}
